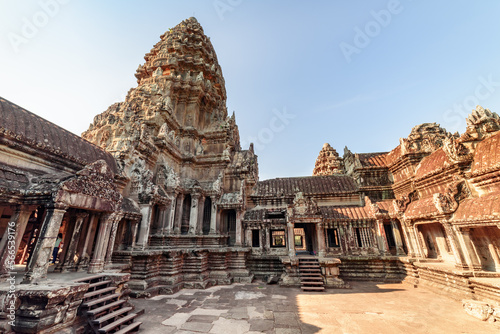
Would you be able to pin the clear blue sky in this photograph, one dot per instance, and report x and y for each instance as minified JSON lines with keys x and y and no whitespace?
{"x":355,"y":73}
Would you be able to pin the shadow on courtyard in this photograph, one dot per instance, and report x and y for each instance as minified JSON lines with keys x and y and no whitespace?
{"x":245,"y":308}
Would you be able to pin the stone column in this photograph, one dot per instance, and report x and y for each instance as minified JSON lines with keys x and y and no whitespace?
{"x":13,"y":236}
{"x":239,"y":229}
{"x":165,"y":219}
{"x":134,"y":226}
{"x":69,"y":259}
{"x":89,"y":239}
{"x":452,"y":239}
{"x":147,"y":213}
{"x":320,"y":235}
{"x":112,"y":238}
{"x":381,"y":237}
{"x":39,"y":263}
{"x":248,"y":237}
{"x":397,"y":238}
{"x":178,"y":213}
{"x":193,"y":216}
{"x":213,"y":217}
{"x":291,"y":239}
{"x":267,"y":245}
{"x":413,"y":245}
{"x":465,"y":241}
{"x":201,"y":215}
{"x":97,"y":263}
{"x":171,"y":216}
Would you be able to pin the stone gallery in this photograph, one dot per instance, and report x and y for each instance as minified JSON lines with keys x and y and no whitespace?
{"x":158,"y":195}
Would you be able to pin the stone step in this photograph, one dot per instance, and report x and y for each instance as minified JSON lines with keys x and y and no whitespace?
{"x":117,"y":323}
{"x":308,"y":288}
{"x":311,"y":279}
{"x":311,"y":283}
{"x":133,"y":327}
{"x":98,"y":292}
{"x":106,"y":307}
{"x":96,"y":284}
{"x":112,"y":315}
{"x":94,"y":302}
{"x":89,"y":278}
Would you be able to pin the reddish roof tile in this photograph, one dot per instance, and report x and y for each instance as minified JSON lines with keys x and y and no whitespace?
{"x":393,"y":155}
{"x":482,"y":208}
{"x":347,"y":212}
{"x":421,"y":209}
{"x":432,"y":164}
{"x":309,"y":185}
{"x":487,"y":155}
{"x":373,"y":159}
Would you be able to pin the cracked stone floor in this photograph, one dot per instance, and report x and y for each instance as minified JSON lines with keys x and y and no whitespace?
{"x":259,"y":308}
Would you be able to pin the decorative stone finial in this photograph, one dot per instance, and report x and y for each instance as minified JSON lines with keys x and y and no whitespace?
{"x":328,"y":162}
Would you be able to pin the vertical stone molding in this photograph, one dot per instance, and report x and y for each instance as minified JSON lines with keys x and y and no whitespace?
{"x":38,"y":266}
{"x":457,"y":253}
{"x":239,"y":229}
{"x":465,"y":242}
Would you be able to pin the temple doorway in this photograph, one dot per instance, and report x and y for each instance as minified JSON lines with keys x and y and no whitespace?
{"x":305,"y":239}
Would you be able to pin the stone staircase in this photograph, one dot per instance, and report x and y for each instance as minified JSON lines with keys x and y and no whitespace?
{"x":107,"y":309}
{"x":310,"y":274}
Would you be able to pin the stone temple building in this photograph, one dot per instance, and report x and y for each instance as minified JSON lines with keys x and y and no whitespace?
{"x":158,"y":195}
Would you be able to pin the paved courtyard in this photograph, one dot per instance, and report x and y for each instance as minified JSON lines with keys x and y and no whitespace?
{"x":259,"y":308}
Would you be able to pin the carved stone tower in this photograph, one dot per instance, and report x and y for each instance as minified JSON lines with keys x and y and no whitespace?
{"x":328,"y":162}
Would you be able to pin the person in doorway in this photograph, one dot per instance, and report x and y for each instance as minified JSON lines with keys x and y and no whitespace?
{"x":56,"y":248}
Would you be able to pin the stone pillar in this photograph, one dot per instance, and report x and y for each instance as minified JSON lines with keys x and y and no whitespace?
{"x":267,"y":245}
{"x":239,"y":229}
{"x":165,"y":219}
{"x":147,"y":213}
{"x":381,"y":237}
{"x":320,"y":235}
{"x":171,"y":216}
{"x":291,"y":239}
{"x":112,"y":238}
{"x":97,"y":263}
{"x":193,"y":216}
{"x":397,"y":238}
{"x":452,"y":239}
{"x":178,"y":213}
{"x":89,"y":239}
{"x":201,"y":214}
{"x":14,"y":232}
{"x":214,"y":217}
{"x":465,"y":241}
{"x":39,"y":263}
{"x":134,"y":224}
{"x":69,"y":259}
{"x":248,"y":238}
{"x":413,"y":245}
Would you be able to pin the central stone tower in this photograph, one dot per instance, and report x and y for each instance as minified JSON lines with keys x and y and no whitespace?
{"x":178,"y":150}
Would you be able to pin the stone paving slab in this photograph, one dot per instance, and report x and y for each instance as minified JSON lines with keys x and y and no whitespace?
{"x":259,"y":308}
